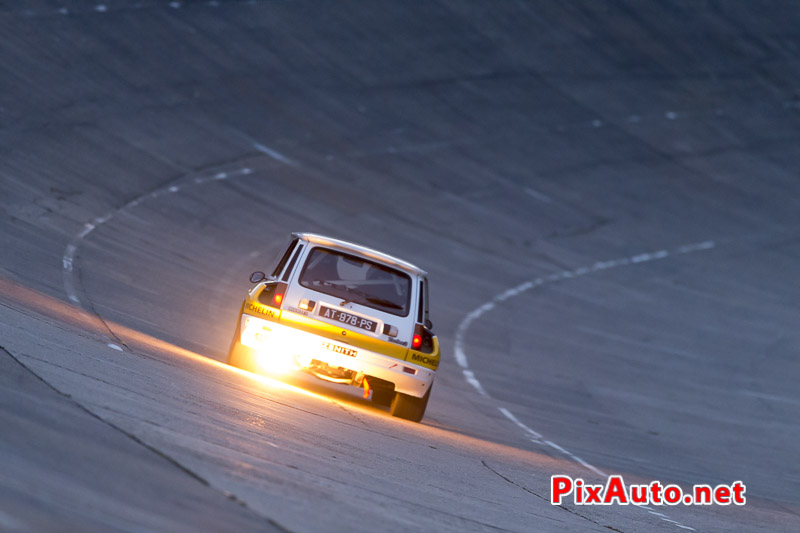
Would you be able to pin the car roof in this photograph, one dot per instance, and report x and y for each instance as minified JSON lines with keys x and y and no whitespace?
{"x":369,"y":253}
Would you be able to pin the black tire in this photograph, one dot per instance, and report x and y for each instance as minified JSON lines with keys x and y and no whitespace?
{"x":381,"y":396}
{"x":410,"y":407}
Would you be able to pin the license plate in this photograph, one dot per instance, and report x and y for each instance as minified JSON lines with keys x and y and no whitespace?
{"x":348,"y":319}
{"x":339,"y":349}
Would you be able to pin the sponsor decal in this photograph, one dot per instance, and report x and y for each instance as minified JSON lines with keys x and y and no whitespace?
{"x":298,"y":311}
{"x":339,"y":349}
{"x":266,"y":311}
{"x":397,"y":341}
{"x":425,"y":360}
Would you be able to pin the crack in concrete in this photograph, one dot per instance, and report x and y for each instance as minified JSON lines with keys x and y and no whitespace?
{"x":567,"y":509}
{"x":174,"y":462}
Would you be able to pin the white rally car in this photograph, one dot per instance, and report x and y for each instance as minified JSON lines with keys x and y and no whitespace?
{"x":344,"y":313}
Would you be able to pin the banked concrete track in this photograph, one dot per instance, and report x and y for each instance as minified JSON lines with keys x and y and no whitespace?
{"x":605,"y":194}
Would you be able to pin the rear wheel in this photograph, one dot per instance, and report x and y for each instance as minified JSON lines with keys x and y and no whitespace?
{"x":410,"y":407}
{"x":381,"y":396}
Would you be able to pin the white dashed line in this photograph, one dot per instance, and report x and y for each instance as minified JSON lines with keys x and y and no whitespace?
{"x":461,"y":357}
{"x":70,"y":252}
{"x":575,"y":458}
{"x":539,"y":196}
{"x":535,"y":434}
{"x":470,"y":377}
{"x":114,"y":346}
{"x":273,"y":154}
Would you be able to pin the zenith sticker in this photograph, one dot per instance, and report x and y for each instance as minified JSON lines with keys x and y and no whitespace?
{"x":339,"y":349}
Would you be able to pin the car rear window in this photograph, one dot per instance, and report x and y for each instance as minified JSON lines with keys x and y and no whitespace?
{"x":357,"y":280}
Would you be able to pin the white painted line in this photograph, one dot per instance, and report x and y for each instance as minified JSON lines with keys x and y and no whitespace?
{"x":508,"y":414}
{"x":470,"y":377}
{"x":100,"y":8}
{"x":601,"y":265}
{"x":69,"y":255}
{"x":68,"y":259}
{"x":461,"y":357}
{"x":87,"y":229}
{"x":539,"y":196}
{"x":705,"y":245}
{"x":67,"y":265}
{"x":114,"y":346}
{"x":575,"y":458}
{"x":273,"y":154}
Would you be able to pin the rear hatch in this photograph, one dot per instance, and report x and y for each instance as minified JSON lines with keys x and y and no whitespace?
{"x":361,"y":297}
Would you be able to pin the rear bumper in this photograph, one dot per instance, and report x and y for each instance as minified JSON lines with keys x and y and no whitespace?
{"x":273,"y":342}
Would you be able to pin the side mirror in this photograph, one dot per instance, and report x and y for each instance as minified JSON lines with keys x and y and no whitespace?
{"x":428,"y":323}
{"x":257,"y":276}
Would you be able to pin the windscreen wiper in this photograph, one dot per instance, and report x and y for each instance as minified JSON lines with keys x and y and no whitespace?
{"x":383,"y":302}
